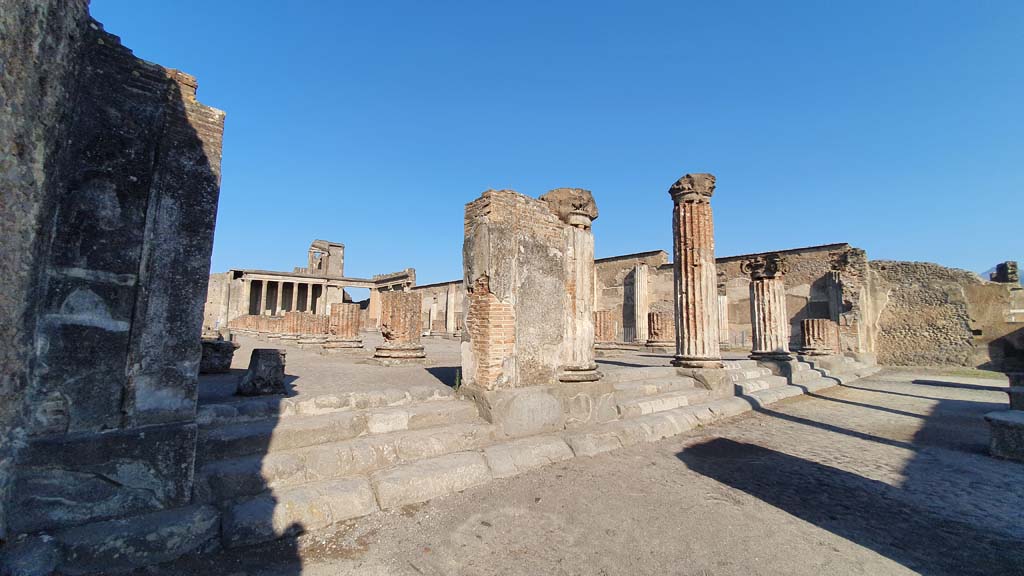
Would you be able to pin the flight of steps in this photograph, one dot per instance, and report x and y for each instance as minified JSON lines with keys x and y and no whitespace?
{"x":274,"y":466}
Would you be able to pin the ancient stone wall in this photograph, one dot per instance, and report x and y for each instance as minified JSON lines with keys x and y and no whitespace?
{"x":932,"y":315}
{"x":442,"y":306}
{"x":614,"y":289}
{"x":114,"y":169}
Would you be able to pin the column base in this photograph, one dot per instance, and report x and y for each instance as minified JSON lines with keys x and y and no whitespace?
{"x":811,"y":351}
{"x":775,"y":356}
{"x":336,"y":345}
{"x":400,"y":352}
{"x":684,"y":362}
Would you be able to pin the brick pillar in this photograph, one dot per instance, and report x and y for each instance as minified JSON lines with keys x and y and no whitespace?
{"x":344,"y":327}
{"x":400,"y":326}
{"x":280,"y":297}
{"x":604,"y":327}
{"x":309,"y":298}
{"x":640,"y":304}
{"x":295,"y":297}
{"x":696,"y":291}
{"x":768,"y":318}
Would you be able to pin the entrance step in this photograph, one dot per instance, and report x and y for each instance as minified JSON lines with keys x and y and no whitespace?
{"x":227,"y":479}
{"x":268,"y":436}
{"x":761,"y":383}
{"x":250,"y":409}
{"x":652,"y":387}
{"x":662,"y":402}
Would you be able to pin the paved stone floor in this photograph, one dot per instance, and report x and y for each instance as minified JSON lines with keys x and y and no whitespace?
{"x":887,"y":475}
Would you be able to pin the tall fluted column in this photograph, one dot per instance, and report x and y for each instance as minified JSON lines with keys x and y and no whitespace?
{"x":696,"y":291}
{"x":768,"y":317}
{"x":576,"y":207}
{"x":640,"y":304}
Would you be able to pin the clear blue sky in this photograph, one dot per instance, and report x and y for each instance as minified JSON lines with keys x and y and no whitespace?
{"x":896,"y":126}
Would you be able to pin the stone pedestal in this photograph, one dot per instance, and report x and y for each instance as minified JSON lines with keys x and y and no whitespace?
{"x":768,"y":318}
{"x":819,"y":337}
{"x":661,"y":330}
{"x":695,"y":278}
{"x":400,"y":326}
{"x":217,"y":356}
{"x":265,"y":374}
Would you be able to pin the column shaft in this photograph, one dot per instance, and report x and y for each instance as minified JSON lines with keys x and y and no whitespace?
{"x":768,"y":318}
{"x":263,"y":296}
{"x":640,"y":303}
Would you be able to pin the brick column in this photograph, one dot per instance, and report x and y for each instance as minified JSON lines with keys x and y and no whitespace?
{"x":768,"y":318}
{"x":263,"y":297}
{"x":344,"y":328}
{"x":373,"y":310}
{"x":309,"y":298}
{"x":696,"y":291}
{"x":280,"y":297}
{"x":295,"y":296}
{"x":400,"y":326}
{"x":661,"y":329}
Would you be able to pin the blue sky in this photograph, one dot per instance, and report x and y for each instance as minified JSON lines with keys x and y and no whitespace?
{"x":896,"y":126}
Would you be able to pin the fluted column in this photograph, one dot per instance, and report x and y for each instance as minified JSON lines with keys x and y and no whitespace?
{"x":768,"y":318}
{"x":661,"y":329}
{"x":640,"y":303}
{"x":723,"y":319}
{"x":696,"y":291}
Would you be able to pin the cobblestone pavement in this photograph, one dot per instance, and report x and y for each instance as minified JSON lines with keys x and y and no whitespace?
{"x":887,"y":475}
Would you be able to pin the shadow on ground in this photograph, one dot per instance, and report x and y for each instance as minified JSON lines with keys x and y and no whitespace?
{"x":893,"y":521}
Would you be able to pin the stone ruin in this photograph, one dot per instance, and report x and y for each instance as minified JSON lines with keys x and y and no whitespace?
{"x":399,"y":325}
{"x":1006,"y":273}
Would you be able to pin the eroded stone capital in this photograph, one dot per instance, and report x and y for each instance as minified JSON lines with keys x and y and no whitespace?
{"x":693,"y":188}
{"x":766,"y":266}
{"x":574,"y":206}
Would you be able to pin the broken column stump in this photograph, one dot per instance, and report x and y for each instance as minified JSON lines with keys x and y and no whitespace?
{"x":768,"y":318}
{"x":400,"y":327}
{"x":819,"y":337}
{"x":265,"y":375}
{"x":661,"y":331}
{"x":344,"y":329}
{"x":217,"y":356}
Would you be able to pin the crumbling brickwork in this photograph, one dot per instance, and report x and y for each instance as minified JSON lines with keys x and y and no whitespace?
{"x":491,"y":329}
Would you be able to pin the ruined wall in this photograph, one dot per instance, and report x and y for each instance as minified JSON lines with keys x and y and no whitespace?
{"x":614,"y":285}
{"x":115,"y":169}
{"x":926,"y":314}
{"x":442,"y":307}
{"x":218,"y":298}
{"x":922,"y":313}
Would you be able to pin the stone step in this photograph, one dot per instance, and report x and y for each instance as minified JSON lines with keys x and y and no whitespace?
{"x":740,"y":364}
{"x":741,"y":374}
{"x":250,"y":409}
{"x":661,"y":402}
{"x":271,"y":435}
{"x":633,"y":374}
{"x":654,"y":386}
{"x":224,"y":480}
{"x":805,"y":375}
{"x":762,"y":383}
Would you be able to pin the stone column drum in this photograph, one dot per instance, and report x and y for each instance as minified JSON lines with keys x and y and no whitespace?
{"x":661,"y":329}
{"x":696,"y":292}
{"x":344,"y":328}
{"x":768,"y":318}
{"x":640,"y":303}
{"x":819,"y":337}
{"x":400,"y":326}
{"x":576,"y":207}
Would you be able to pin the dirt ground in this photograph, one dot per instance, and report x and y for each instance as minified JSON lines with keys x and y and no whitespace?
{"x":888,"y":475}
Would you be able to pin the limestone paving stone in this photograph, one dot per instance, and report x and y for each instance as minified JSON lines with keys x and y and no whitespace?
{"x":518,"y":456}
{"x":426,"y":479}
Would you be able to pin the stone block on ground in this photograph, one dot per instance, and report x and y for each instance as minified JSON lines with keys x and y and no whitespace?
{"x":426,"y":479}
{"x":217,"y":356}
{"x":124,"y":544}
{"x":519,"y":456}
{"x":265,"y":374}
{"x":1007,"y":434}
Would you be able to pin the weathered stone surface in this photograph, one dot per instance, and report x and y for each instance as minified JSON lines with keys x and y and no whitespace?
{"x":294,"y":510}
{"x":1006,"y":272}
{"x":768,"y":316}
{"x":522,"y":412}
{"x":124,"y":544}
{"x":399,"y":325}
{"x":64,"y":482}
{"x":819,"y":336}
{"x":516,"y":457}
{"x":1007,"y":434}
{"x":420,"y":481}
{"x":217,"y":356}
{"x":661,"y":329}
{"x":695,"y":278}
{"x":1016,"y":390}
{"x":265,"y":374}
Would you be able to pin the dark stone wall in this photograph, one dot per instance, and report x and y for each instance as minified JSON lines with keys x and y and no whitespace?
{"x":114,"y":247}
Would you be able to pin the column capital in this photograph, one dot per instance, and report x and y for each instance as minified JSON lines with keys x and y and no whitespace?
{"x":693,"y":189}
{"x":765,"y":266}
{"x":574,"y":206}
